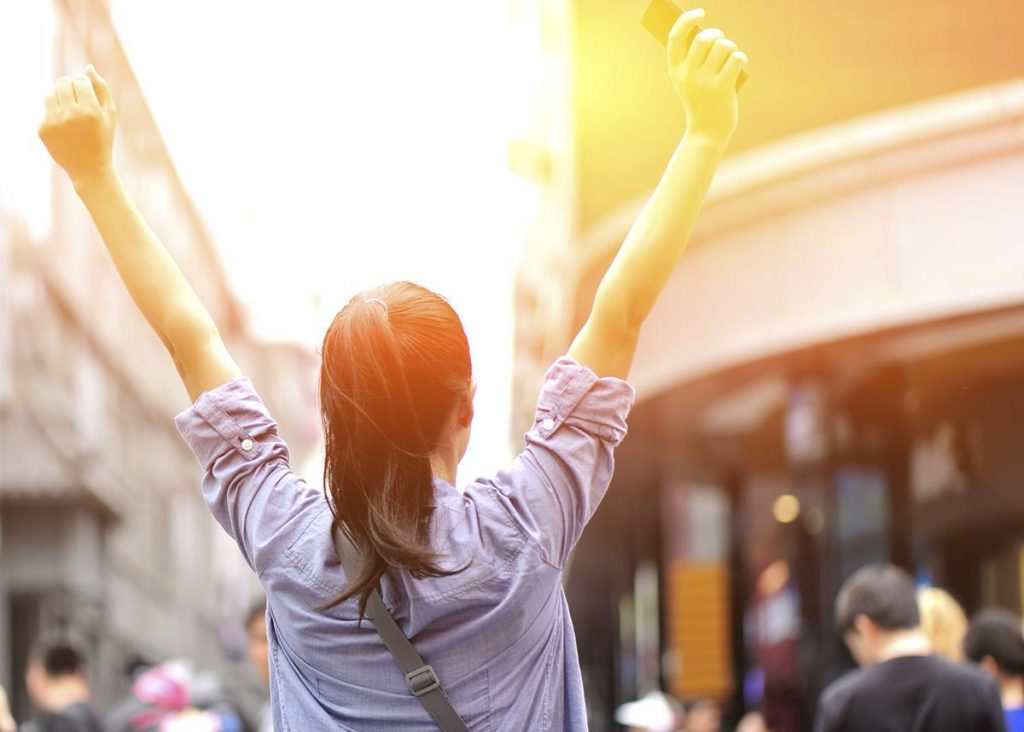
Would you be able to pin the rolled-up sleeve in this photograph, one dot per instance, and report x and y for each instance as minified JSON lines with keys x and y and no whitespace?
{"x":247,"y":482}
{"x":554,"y":486}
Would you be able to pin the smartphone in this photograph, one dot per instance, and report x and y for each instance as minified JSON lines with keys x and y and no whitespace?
{"x":659,"y":19}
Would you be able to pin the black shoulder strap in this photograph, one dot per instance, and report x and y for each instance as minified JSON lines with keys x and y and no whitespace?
{"x":419,"y":677}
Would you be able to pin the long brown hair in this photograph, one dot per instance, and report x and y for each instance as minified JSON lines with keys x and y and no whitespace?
{"x":395,"y":365}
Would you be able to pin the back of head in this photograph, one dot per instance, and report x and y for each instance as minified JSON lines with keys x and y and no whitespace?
{"x":943,"y":622}
{"x":996,"y":633}
{"x":883,"y":593}
{"x":57,"y":658}
{"x":395,"y":367}
{"x":55,"y":661}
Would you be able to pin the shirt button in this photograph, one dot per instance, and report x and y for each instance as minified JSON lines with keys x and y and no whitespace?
{"x":548,"y":424}
{"x":246,"y":444}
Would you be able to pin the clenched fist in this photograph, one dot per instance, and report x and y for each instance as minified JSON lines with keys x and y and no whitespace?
{"x":78,"y":129}
{"x":704,"y":75}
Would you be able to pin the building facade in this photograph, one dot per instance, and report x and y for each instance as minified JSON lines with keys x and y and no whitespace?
{"x":830,"y":377}
{"x":103,"y":532}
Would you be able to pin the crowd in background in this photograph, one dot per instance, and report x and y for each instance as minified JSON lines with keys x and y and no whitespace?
{"x":168,"y":697}
{"x":917,"y":654}
{"x":986,"y":653}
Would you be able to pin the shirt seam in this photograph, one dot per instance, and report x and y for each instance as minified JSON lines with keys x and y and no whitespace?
{"x":538,"y":469}
{"x":277,"y":668}
{"x":437,"y":596}
{"x":510,"y":520}
{"x":524,"y":535}
{"x":547,"y":707}
{"x":307,"y":571}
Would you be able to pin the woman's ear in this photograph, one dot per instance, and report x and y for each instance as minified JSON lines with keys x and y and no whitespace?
{"x":466,"y":412}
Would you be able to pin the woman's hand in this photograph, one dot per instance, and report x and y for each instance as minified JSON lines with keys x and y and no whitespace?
{"x":78,"y":129}
{"x":704,"y":76}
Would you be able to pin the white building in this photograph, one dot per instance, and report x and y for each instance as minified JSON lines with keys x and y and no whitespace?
{"x":103,"y":532}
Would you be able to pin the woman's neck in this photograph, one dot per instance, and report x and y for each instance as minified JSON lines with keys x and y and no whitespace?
{"x":444,"y":464}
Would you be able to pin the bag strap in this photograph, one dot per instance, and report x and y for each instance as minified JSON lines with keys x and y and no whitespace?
{"x":419,"y":676}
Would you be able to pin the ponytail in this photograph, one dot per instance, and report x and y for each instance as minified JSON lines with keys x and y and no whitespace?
{"x":395,"y":366}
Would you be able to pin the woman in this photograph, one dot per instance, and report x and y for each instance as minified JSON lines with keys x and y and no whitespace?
{"x":472,"y":577}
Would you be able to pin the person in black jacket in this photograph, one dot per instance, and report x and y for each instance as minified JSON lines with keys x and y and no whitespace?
{"x":901,"y":685}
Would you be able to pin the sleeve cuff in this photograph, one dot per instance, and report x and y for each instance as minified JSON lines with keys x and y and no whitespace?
{"x":567,"y":385}
{"x":230,"y":416}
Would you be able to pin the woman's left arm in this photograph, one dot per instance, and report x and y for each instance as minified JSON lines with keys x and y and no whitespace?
{"x":78,"y":131}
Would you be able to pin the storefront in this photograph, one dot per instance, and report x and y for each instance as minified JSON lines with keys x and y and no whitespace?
{"x":832,"y":378}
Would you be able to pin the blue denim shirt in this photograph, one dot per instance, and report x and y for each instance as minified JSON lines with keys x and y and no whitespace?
{"x":498,"y":634}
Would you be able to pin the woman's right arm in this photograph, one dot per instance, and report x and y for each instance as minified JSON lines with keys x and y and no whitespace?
{"x":78,"y":132}
{"x":705,"y":79}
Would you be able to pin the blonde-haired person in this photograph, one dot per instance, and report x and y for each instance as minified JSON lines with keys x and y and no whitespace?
{"x":943,"y":622}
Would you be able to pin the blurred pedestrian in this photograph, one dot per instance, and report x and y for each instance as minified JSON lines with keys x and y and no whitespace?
{"x":256,"y":630}
{"x":901,"y":686}
{"x":475,"y":576}
{"x":753,"y":722}
{"x":943,"y":621}
{"x":703,"y":715}
{"x":995,"y":642}
{"x":6,"y":720}
{"x":59,"y":689}
{"x":654,"y":712}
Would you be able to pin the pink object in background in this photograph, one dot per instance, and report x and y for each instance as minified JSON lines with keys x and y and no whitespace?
{"x":168,"y":688}
{"x":166,"y":685}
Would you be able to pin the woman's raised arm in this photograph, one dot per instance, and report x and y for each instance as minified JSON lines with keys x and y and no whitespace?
{"x":78,"y":131}
{"x":704,"y":76}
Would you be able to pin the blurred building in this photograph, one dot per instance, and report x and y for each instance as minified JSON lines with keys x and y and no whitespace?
{"x":833,"y":374}
{"x":103,"y":532}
